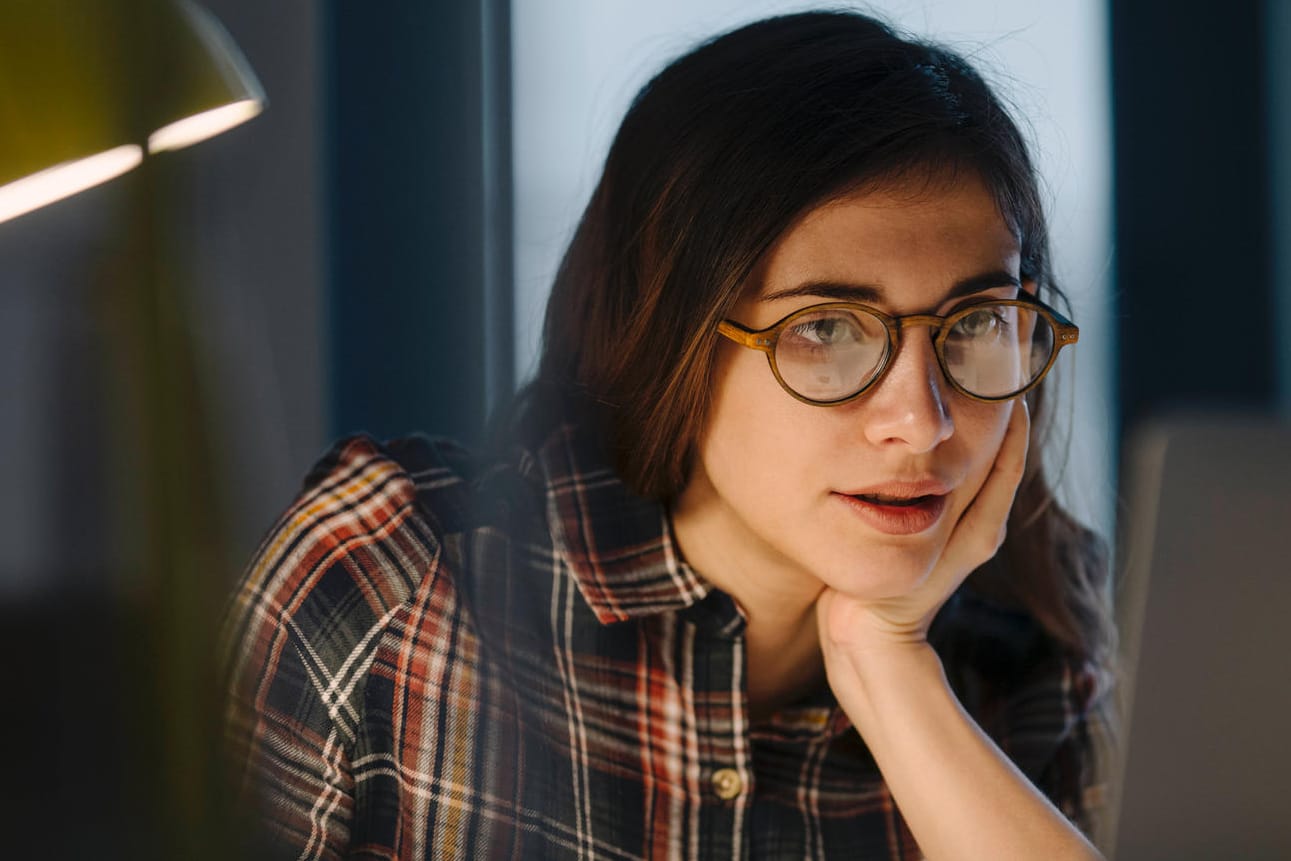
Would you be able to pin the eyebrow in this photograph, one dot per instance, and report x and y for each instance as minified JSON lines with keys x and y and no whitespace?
{"x":842,"y":291}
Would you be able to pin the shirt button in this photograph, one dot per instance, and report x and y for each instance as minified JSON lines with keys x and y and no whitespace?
{"x":727,"y":783}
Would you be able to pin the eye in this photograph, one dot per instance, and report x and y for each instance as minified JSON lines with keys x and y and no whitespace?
{"x":827,"y":329}
{"x":985,"y":322}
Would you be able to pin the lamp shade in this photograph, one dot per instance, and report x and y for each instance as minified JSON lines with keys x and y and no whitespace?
{"x":87,"y":87}
{"x":200,"y":83}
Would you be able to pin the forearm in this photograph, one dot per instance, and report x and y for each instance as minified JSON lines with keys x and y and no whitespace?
{"x":960,"y":795}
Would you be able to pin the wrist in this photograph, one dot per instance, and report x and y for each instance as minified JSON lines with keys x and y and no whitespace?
{"x":882,"y":665}
{"x":884,"y":678}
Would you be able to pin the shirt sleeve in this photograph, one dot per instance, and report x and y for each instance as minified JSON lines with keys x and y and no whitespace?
{"x":300,"y":636}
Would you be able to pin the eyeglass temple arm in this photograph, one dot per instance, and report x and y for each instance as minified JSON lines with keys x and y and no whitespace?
{"x":745,"y":337}
{"x":1066,"y":331}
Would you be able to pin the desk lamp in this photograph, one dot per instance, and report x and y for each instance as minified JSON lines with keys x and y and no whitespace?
{"x":88,"y":88}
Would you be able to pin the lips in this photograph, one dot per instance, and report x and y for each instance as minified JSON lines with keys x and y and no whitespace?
{"x":898,"y":508}
{"x":898,"y":490}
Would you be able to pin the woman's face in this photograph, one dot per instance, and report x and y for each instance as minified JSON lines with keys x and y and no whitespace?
{"x":803,"y":493}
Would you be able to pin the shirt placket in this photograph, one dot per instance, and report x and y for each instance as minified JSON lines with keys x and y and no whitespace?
{"x":726,"y":779}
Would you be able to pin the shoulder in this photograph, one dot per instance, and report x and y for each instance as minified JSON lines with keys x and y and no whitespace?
{"x":323,"y":598}
{"x":373,"y":524}
{"x":356,"y":516}
{"x":360,"y":540}
{"x":368,"y":587}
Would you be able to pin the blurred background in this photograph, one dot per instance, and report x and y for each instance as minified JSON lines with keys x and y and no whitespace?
{"x":373,"y":253}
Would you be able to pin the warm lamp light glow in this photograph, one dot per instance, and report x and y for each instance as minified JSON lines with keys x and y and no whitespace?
{"x":199,"y":127}
{"x":88,"y":89}
{"x":62,"y":180}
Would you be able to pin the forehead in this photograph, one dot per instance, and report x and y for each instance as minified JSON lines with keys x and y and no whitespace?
{"x":910,"y":240}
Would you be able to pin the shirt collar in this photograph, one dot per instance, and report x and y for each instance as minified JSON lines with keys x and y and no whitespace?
{"x":619,"y":546}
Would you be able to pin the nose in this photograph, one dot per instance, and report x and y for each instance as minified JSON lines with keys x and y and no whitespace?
{"x":909,"y":406}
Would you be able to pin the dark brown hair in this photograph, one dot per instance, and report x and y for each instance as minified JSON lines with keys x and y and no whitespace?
{"x":717,"y":157}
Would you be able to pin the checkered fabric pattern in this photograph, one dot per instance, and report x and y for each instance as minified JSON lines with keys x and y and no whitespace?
{"x":436,"y":656}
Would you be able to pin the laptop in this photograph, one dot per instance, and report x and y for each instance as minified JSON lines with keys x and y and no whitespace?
{"x":1205,"y":617}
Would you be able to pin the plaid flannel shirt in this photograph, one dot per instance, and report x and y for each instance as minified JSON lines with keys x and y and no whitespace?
{"x":436,"y":657}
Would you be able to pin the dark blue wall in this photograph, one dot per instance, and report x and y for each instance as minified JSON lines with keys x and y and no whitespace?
{"x":1195,"y":273}
{"x":419,"y":235}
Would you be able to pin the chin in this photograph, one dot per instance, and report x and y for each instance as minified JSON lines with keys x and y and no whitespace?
{"x":882,"y":572}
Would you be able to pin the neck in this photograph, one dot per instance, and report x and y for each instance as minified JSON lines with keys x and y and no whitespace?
{"x":783,"y":657}
{"x":784,"y":661}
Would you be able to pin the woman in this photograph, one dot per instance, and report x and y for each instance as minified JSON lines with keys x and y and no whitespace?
{"x":732,"y":588}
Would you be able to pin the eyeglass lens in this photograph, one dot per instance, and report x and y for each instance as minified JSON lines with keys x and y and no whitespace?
{"x":993,"y":352}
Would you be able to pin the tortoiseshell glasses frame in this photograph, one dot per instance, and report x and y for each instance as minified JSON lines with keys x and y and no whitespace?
{"x":1064,"y":333}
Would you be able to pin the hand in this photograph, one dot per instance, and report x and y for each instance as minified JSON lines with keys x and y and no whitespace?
{"x":958,"y":792}
{"x":848,"y":623}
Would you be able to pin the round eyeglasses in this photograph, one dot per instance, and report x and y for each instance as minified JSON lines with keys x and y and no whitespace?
{"x":832,"y":353}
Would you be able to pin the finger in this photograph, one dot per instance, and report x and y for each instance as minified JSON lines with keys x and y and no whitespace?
{"x":983,"y":525}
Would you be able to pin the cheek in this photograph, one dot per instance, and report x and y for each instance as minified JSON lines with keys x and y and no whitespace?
{"x":982,"y":427}
{"x":754,"y":432}
{"x":734,"y":431}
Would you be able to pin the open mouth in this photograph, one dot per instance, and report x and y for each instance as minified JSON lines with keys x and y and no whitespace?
{"x":897,"y":515}
{"x":898,"y":501}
